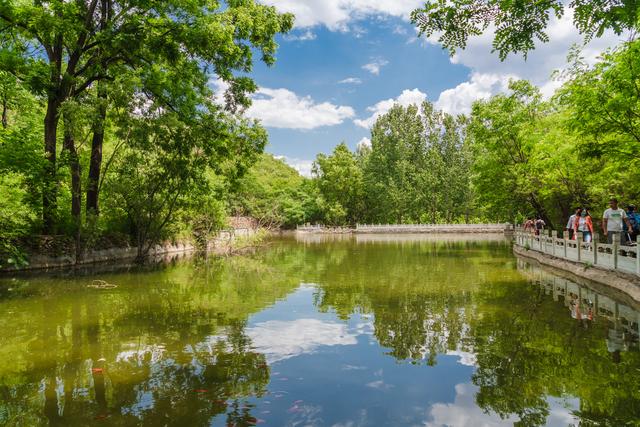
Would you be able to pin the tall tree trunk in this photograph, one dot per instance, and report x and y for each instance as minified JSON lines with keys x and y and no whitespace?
{"x":540,"y":210}
{"x":5,"y":122}
{"x":76,"y":184}
{"x":95,"y":163}
{"x":50,"y":189}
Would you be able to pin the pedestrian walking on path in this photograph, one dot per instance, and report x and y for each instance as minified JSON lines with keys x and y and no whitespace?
{"x":583,"y":224}
{"x":570,"y":224}
{"x":612,"y":222}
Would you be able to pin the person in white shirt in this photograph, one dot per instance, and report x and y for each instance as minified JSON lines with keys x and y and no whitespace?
{"x":612,"y":220}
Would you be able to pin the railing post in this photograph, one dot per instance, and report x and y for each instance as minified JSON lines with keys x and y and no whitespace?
{"x":616,"y":242}
{"x":564,"y":235}
{"x":594,"y":245}
{"x":540,"y":241}
{"x":554,"y":236}
{"x":579,"y":246}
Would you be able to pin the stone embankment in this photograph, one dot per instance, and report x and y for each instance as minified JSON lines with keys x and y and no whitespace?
{"x":64,"y":256}
{"x":608,"y":264}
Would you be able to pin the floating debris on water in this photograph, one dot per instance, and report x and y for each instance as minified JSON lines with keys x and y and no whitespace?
{"x":101,"y":284}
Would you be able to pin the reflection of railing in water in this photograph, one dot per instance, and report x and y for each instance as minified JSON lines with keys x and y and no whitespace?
{"x":587,"y":305}
{"x":611,"y":256}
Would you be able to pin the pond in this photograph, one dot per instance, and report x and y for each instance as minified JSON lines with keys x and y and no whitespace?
{"x":352,"y":331}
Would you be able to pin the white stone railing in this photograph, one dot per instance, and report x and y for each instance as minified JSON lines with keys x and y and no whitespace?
{"x":432,"y":228}
{"x":416,"y":228}
{"x":497,"y":226}
{"x":610,"y":256}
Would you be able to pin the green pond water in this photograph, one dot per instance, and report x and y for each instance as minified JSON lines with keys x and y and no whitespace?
{"x":357,"y":331}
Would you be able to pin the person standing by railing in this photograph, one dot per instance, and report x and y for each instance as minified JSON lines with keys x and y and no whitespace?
{"x":529,"y":225}
{"x":634,"y":220}
{"x":571,"y":223}
{"x":540,"y":224}
{"x":612,"y":221}
{"x":583,"y":224}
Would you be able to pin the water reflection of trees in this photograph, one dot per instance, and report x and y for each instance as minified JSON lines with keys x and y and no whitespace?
{"x":163,"y":348}
{"x":176,"y":351}
{"x":430,"y":299}
{"x":419,"y":291}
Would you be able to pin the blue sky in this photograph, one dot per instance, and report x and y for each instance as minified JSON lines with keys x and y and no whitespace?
{"x":348,"y":61}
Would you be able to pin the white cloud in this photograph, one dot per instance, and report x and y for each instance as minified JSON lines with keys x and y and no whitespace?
{"x":281,"y":108}
{"x":364,"y":143}
{"x":280,"y":340}
{"x":481,"y":86}
{"x":301,"y":165}
{"x":464,"y":412}
{"x":338,"y":14}
{"x":406,"y":98}
{"x":379,"y":385}
{"x":374,"y":66}
{"x":542,"y":61}
{"x":219,"y":87}
{"x":489,"y":74}
{"x":302,"y":37}
{"x":351,"y":80}
{"x":400,"y":30}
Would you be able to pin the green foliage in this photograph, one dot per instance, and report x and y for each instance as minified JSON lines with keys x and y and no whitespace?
{"x":274,"y":194}
{"x":15,"y":218}
{"x":579,"y":149}
{"x":89,"y":54}
{"x":501,"y":134}
{"x":163,"y":169}
{"x":519,"y":25}
{"x":137,"y":87}
{"x":340,"y":181}
{"x":603,"y":110}
{"x":418,"y":169}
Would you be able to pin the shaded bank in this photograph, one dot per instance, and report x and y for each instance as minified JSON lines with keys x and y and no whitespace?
{"x":224,"y":243}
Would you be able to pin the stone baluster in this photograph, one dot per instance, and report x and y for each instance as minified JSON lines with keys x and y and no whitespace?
{"x":579,"y":246}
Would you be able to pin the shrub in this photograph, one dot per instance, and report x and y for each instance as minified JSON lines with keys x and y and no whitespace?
{"x":16,"y":217}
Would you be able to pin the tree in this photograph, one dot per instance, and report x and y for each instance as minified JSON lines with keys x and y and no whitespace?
{"x":15,"y":217}
{"x":603,"y":103}
{"x":397,"y":156}
{"x":519,"y":24}
{"x":340,"y":183}
{"x":275,"y":194}
{"x":418,"y":169}
{"x":501,"y":133}
{"x":164,"y":166}
{"x":64,"y":49}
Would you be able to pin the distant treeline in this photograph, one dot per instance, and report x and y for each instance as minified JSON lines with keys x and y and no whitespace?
{"x":515,"y":155}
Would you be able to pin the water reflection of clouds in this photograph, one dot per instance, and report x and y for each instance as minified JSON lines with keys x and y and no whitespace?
{"x":464,"y":412}
{"x":465,"y":358}
{"x":380,"y":385}
{"x":138,"y":354}
{"x":280,"y":340}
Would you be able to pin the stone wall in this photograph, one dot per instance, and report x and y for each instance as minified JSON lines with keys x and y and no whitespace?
{"x":220,"y":244}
